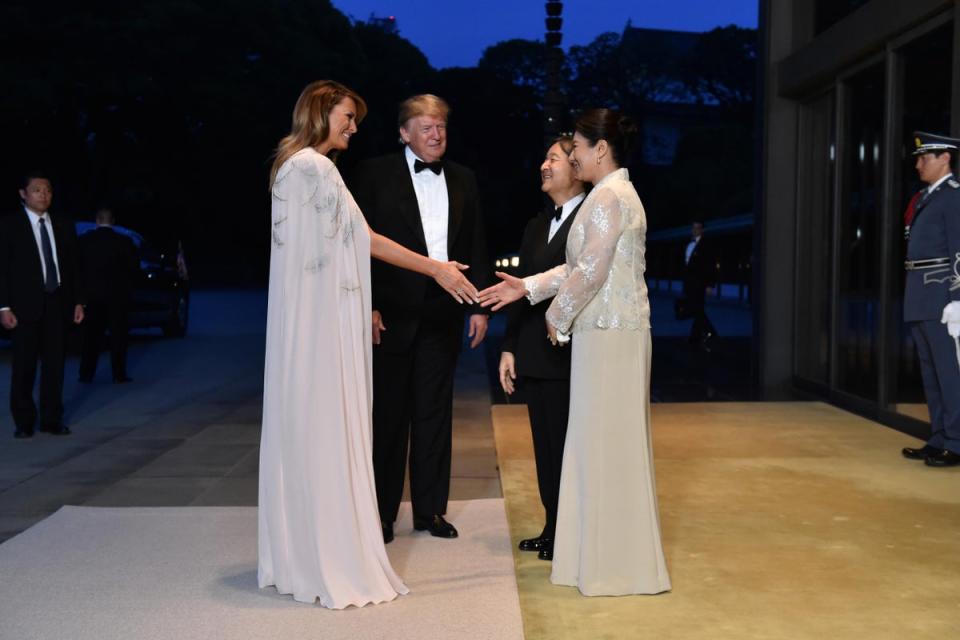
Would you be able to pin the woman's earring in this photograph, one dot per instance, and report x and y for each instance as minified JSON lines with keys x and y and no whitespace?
{"x":598,"y":159}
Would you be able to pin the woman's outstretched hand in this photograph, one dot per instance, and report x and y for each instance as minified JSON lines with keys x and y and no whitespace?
{"x":448,"y":275}
{"x":500,"y":295}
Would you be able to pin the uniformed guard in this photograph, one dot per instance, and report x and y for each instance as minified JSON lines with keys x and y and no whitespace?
{"x":933,"y":281}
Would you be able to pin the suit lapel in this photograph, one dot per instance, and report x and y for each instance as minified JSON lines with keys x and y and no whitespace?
{"x":27,"y":232}
{"x":407,"y":200}
{"x":455,"y":208}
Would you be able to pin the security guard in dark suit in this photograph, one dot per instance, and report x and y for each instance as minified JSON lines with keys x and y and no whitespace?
{"x":109,"y":266}
{"x":933,"y":281}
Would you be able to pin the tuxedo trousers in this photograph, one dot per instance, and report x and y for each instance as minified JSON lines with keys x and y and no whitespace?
{"x":548,"y":404}
{"x":413,"y":405}
{"x":40,"y":341}
{"x":695,"y":294}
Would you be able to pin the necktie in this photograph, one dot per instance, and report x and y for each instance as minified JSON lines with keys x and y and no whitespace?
{"x":50,"y":283}
{"x":420,"y":165}
{"x":557,"y":213}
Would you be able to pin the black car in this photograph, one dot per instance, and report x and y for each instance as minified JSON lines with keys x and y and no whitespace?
{"x":161,"y":295}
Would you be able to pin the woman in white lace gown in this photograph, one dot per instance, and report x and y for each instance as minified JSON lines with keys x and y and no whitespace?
{"x":319,"y":527}
{"x":608,"y":530}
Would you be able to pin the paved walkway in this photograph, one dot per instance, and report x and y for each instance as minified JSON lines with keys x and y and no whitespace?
{"x":187,"y":430}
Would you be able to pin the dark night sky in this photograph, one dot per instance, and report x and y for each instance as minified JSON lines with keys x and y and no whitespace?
{"x":455,"y":32}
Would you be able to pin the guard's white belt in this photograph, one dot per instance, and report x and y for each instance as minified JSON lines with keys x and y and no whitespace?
{"x":929,"y":263}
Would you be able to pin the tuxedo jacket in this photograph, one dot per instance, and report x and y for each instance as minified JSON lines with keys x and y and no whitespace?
{"x":383,"y":188}
{"x":526,"y":334}
{"x":934,"y":233}
{"x":108,"y":265}
{"x":21,"y":269}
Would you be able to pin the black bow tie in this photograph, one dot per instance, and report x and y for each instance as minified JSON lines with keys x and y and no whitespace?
{"x":420,"y":165}
{"x":557,"y":213}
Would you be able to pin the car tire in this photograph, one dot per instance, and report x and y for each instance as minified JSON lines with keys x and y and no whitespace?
{"x":179,"y":319}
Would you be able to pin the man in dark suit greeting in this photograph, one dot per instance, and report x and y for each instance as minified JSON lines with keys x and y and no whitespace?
{"x":108,"y":266}
{"x":431,"y":206}
{"x":544,"y":369}
{"x":39,"y":296}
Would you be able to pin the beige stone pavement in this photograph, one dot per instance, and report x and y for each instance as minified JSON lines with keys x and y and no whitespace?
{"x":780,"y":520}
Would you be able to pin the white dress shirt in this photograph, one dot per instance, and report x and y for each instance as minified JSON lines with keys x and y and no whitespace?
{"x":568,"y":208}
{"x":434,"y":204}
{"x":691,"y":247}
{"x":35,"y":225}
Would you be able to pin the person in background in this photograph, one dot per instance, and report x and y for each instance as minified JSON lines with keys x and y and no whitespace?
{"x":109,"y":265}
{"x":699,"y":280}
{"x":40,"y":296}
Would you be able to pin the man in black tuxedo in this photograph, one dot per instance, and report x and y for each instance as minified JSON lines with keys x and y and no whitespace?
{"x":544,"y":369}
{"x":700,"y":277}
{"x":431,"y":206}
{"x":39,"y":296}
{"x":108,"y":268}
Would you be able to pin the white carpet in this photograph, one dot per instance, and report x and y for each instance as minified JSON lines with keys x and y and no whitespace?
{"x":190,"y":572}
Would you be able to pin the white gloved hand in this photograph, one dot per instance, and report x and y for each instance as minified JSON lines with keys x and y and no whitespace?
{"x":951,"y":318}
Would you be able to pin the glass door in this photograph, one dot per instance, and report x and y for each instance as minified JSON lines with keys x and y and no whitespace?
{"x":858,"y":229}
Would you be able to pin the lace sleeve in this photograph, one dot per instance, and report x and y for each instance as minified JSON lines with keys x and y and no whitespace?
{"x":601,"y":231}
{"x":546,"y":284}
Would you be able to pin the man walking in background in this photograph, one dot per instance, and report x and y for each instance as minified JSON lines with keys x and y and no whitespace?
{"x":699,"y":279}
{"x":108,"y":268}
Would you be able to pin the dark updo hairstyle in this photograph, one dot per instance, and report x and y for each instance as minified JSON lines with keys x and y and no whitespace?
{"x":610,"y":125}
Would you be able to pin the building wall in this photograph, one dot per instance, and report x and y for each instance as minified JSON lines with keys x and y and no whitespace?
{"x":834,"y":160}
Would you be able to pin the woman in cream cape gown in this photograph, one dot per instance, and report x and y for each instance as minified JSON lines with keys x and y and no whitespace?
{"x":319,"y":528}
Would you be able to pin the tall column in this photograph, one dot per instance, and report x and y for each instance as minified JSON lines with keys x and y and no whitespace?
{"x":553,"y":102}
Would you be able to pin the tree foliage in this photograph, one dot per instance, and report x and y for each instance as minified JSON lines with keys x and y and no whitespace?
{"x":170,"y":111}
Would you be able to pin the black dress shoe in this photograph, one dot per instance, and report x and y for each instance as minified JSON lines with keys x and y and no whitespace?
{"x":535,"y":544}
{"x":546,"y":553}
{"x":56,"y":430}
{"x":919,"y":454}
{"x":387,"y":532}
{"x":945,"y":458}
{"x":122,"y":380}
{"x":23,"y":433}
{"x":85,"y":379}
{"x":436,"y":525}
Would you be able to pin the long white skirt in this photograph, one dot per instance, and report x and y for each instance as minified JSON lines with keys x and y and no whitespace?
{"x":608,"y":527}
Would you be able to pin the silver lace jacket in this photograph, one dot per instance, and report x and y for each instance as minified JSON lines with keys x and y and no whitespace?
{"x":601,"y":286}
